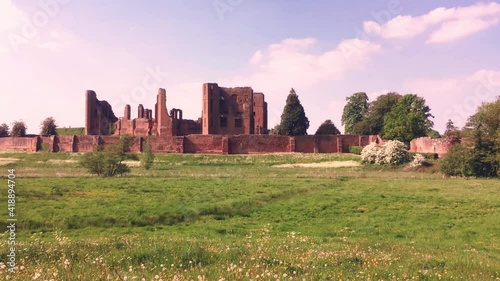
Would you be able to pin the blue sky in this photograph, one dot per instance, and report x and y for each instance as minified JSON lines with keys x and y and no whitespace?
{"x":51,"y":51}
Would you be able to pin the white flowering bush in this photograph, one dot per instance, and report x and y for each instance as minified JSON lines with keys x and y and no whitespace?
{"x":369,"y":154}
{"x":395,"y":152}
{"x":392,"y":152}
{"x":418,"y":160}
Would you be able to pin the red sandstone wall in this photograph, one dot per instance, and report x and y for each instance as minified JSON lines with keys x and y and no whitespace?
{"x":243,"y":144}
{"x":203,"y":144}
{"x":45,"y":141}
{"x":429,"y":145}
{"x":18,"y":144}
{"x":304,"y":144}
{"x":348,"y":140}
{"x":86,"y":143}
{"x":135,"y":147}
{"x":235,"y":144}
{"x":328,"y":144}
{"x":164,"y":144}
{"x":63,"y":143}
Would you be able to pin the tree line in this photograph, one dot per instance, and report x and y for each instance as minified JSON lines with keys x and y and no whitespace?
{"x":405,"y":117}
{"x":392,"y":116}
{"x":48,"y":127}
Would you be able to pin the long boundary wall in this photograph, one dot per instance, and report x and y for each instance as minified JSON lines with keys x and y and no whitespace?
{"x":209,"y":144}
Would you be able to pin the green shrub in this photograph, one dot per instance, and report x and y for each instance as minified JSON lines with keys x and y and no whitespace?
{"x":354,"y":149}
{"x":147,"y":157}
{"x":458,"y":161}
{"x":107,"y":162}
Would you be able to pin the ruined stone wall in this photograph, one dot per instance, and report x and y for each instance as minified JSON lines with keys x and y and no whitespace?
{"x":99,"y":116}
{"x":210,"y":144}
{"x":63,"y":143}
{"x":164,"y":144}
{"x":327,"y":144}
{"x":430,"y":145}
{"x":250,"y":144}
{"x":218,"y":144}
{"x":86,"y":143}
{"x":188,"y":127}
{"x":45,"y":144}
{"x":304,"y":144}
{"x":18,"y":144}
{"x":136,"y":145}
{"x":230,"y":111}
{"x":260,"y":109}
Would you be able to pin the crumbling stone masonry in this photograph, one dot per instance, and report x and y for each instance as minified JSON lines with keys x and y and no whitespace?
{"x":430,"y":145}
{"x":233,"y":111}
{"x":99,"y":116}
{"x":226,"y":111}
{"x":162,"y":123}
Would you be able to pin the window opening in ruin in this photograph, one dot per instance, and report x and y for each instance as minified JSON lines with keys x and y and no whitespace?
{"x":238,"y":123}
{"x":223,"y":121}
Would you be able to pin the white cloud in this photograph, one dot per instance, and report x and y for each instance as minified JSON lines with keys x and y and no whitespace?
{"x":454,"y":30}
{"x":257,"y":57}
{"x":10,"y":18}
{"x":294,"y":60}
{"x":20,"y":31}
{"x":454,"y":23}
{"x":10,"y":15}
{"x":299,"y":63}
{"x":398,"y":27}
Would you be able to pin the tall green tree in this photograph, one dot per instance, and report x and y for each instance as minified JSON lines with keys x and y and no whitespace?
{"x":18,"y":129}
{"x":275,"y":130}
{"x":483,"y":132}
{"x":4,"y":130}
{"x":373,"y":120}
{"x":48,"y":127}
{"x":451,"y":131}
{"x":377,"y":111}
{"x":327,"y":128}
{"x":408,"y":119}
{"x":354,"y":111}
{"x":293,"y":120}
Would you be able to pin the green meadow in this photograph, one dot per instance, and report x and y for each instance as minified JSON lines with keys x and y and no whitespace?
{"x":244,"y":217}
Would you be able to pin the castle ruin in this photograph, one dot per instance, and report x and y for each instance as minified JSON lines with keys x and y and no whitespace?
{"x":226,"y":111}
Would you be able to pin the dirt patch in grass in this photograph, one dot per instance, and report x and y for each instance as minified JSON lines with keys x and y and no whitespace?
{"x":7,"y":161}
{"x":329,"y":164}
{"x":55,"y":161}
{"x":132,"y":163}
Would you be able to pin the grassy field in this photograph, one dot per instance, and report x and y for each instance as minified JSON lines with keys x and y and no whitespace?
{"x":202,"y":217}
{"x":71,"y":131}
